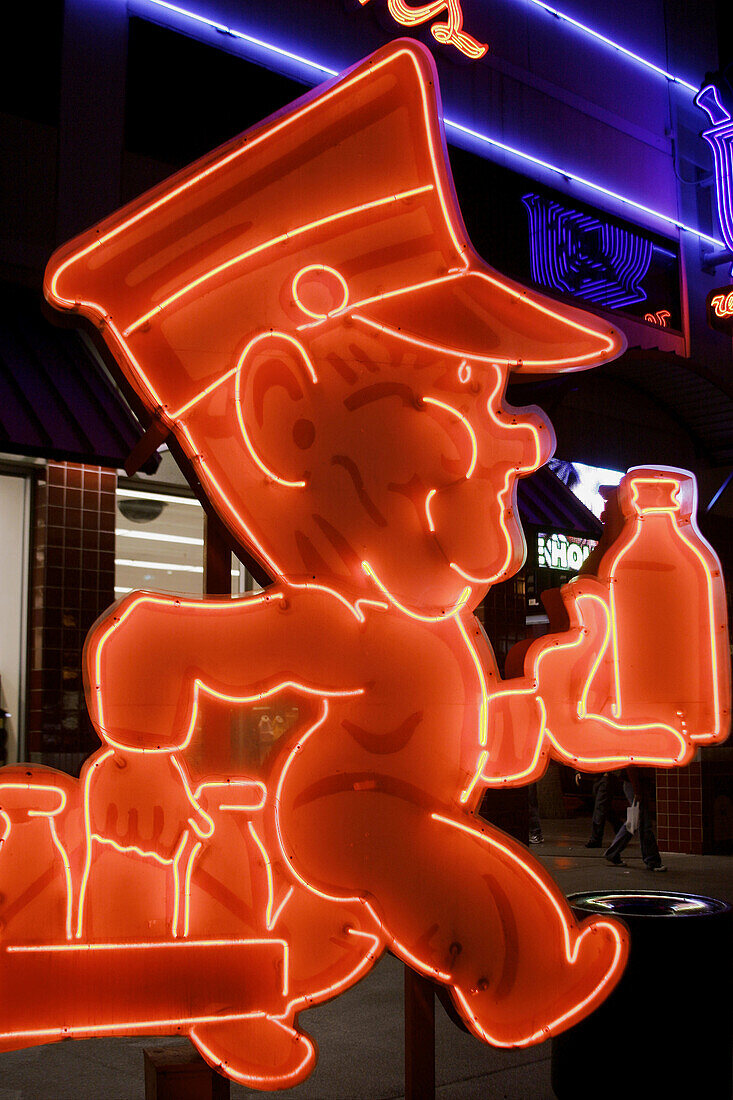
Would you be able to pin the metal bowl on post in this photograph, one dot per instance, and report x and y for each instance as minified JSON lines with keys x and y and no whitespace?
{"x":667,"y":1028}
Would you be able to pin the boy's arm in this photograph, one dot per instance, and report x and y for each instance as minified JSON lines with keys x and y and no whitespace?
{"x":637,"y":668}
{"x":148,"y":661}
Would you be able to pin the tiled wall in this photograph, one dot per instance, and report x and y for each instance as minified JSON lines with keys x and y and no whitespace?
{"x":72,"y":581}
{"x":679,"y":809}
{"x":503,"y":613}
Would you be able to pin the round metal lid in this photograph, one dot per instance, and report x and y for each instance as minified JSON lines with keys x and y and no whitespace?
{"x":646,"y":903}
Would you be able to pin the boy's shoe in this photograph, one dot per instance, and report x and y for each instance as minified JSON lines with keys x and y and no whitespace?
{"x":536,"y":838}
{"x":615,"y":861}
{"x":655,"y":867}
{"x":575,"y":979}
{"x":594,"y":844}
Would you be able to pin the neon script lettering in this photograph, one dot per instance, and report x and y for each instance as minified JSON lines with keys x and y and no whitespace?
{"x":722,"y":304}
{"x":303,"y":311}
{"x":448,"y":33}
{"x":661,"y":318}
{"x":578,"y":254}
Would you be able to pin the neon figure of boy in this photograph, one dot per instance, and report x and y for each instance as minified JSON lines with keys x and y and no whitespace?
{"x":303,"y":312}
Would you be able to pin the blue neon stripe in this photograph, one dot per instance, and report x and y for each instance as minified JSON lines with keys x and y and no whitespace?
{"x":614,"y":45}
{"x":320,"y":71}
{"x":579,"y":179}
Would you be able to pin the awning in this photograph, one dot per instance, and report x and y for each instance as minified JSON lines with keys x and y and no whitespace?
{"x":56,"y":399}
{"x":545,"y":501}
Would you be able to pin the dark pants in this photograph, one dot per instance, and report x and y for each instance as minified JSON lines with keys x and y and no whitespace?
{"x":603,"y":807}
{"x":649,"y":850}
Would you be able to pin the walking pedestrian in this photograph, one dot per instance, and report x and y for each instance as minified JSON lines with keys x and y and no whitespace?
{"x":604,"y":789}
{"x":637,"y":790}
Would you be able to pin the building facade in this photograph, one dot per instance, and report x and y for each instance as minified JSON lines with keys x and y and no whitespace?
{"x":575,"y":141}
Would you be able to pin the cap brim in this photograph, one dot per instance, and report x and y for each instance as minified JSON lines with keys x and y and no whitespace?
{"x":485,"y":318}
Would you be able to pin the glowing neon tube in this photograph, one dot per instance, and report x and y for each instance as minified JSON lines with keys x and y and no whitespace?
{"x":615,"y":46}
{"x":319,"y":71}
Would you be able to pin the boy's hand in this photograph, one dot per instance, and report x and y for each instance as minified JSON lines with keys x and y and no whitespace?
{"x":142,"y":801}
{"x":574,"y":674}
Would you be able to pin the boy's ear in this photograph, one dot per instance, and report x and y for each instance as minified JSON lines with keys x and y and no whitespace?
{"x":275,"y":395}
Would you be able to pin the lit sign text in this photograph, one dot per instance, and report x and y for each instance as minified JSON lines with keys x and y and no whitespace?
{"x":660,"y":318}
{"x":720,"y":309}
{"x":559,"y":551}
{"x":722,"y":304}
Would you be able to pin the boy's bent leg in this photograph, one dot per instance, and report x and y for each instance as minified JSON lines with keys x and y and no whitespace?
{"x":540,"y":972}
{"x":464,"y":904}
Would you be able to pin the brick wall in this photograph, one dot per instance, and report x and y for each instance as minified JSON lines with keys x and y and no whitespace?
{"x":72,"y":581}
{"x":680,"y":809}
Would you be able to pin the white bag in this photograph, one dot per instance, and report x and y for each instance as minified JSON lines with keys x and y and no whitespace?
{"x":632,"y":817}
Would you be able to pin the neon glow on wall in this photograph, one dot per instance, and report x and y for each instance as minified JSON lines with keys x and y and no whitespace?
{"x":287,"y":784}
{"x":581,"y":255}
{"x":556,"y":13}
{"x":279,"y":56}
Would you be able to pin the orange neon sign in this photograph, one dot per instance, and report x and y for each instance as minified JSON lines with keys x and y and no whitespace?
{"x":287,"y":783}
{"x":722,"y":304}
{"x":447,"y":33}
{"x":661,"y":318}
{"x":719,"y":306}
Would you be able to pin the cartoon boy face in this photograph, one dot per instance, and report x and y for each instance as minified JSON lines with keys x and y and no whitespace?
{"x":397,"y":466}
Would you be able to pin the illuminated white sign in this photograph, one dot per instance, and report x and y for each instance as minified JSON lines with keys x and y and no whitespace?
{"x":562,"y":551}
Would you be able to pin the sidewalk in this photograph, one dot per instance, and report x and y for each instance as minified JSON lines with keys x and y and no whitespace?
{"x":360,"y":1034}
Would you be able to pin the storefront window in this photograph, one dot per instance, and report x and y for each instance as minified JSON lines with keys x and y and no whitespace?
{"x":160,"y":545}
{"x":14,"y":532}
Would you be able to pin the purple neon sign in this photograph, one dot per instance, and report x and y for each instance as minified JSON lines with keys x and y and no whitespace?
{"x":579,"y":254}
{"x":720,"y":139}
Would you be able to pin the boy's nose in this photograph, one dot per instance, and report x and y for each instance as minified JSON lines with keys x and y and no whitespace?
{"x":539,"y":438}
{"x":519,"y":438}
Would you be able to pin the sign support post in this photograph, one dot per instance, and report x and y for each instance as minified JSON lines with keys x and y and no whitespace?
{"x":217,"y":558}
{"x":419,"y":1036}
{"x":171,"y":1073}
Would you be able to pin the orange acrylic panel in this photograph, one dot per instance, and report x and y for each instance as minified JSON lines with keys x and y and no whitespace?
{"x":287,"y":784}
